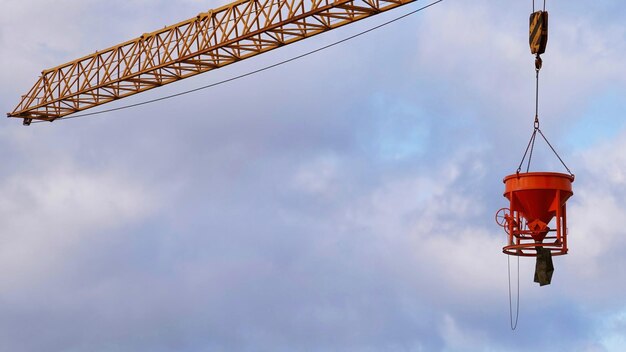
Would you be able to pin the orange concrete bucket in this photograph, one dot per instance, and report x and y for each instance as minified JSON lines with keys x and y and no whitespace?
{"x":536,"y":216}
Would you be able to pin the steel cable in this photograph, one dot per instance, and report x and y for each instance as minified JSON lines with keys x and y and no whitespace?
{"x":513,"y":325}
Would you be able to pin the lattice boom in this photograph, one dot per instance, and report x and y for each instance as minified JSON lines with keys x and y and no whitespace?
{"x":210,"y":40}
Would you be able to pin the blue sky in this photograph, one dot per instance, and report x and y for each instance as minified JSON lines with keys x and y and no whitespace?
{"x":343,"y":202}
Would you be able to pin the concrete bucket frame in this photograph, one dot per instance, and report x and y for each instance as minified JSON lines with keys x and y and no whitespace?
{"x":537,"y":199}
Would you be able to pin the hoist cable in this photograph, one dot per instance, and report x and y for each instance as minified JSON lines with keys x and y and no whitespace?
{"x":544,"y":5}
{"x":555,"y":153}
{"x":530,"y":142}
{"x":532,"y":147}
{"x":537,"y":93}
{"x":513,"y":324}
{"x":247,"y":73}
{"x":538,"y":63}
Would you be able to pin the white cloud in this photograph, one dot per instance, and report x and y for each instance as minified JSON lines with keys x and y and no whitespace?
{"x":464,"y":339}
{"x":596,"y":233}
{"x":317,"y":176}
{"x":615,"y":325}
{"x":45,"y":215}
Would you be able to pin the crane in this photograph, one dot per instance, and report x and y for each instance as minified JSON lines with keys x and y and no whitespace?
{"x":213,"y":39}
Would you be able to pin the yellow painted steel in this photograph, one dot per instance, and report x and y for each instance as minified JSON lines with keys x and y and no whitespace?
{"x":538,"y":32}
{"x":208,"y":41}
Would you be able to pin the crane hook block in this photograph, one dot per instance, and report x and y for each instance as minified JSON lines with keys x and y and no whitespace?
{"x":538,"y":38}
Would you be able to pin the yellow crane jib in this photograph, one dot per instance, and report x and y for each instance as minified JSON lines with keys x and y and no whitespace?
{"x":211,"y":40}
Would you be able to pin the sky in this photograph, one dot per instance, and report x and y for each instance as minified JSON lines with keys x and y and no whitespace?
{"x":342,"y":202}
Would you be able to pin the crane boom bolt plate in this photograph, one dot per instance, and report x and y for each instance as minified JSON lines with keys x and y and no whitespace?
{"x":208,"y":41}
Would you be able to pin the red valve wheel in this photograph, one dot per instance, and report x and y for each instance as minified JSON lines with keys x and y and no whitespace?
{"x":502,"y":217}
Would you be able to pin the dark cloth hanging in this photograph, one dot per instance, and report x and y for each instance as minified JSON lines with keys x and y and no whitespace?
{"x":544,"y":267}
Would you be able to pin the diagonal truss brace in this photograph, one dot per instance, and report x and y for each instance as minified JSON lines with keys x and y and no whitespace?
{"x":211,"y":40}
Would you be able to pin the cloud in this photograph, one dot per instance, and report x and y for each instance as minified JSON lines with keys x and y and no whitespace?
{"x":594,"y":212}
{"x":46,"y":215}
